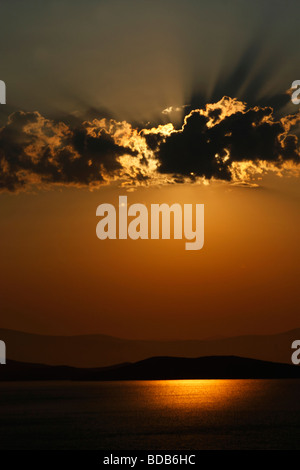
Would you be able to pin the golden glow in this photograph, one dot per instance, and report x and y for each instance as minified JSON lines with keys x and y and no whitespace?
{"x":201,"y":395}
{"x":89,"y":283}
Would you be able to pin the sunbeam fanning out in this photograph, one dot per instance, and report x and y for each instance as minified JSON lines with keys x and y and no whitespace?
{"x":138,"y":64}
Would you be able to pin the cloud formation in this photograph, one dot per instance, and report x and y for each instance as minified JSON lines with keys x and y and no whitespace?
{"x":35,"y":150}
{"x":222,"y":141}
{"x":212,"y":139}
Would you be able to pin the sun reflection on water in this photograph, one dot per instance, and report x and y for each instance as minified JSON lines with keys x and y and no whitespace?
{"x":191,"y":394}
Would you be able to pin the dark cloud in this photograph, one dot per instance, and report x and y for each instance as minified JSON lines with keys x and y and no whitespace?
{"x":208,"y":144}
{"x":213,"y":143}
{"x":36,"y":150}
{"x":191,"y":151}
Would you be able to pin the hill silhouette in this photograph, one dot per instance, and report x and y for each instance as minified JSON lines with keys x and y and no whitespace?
{"x":101,"y":350}
{"x":156,"y":368}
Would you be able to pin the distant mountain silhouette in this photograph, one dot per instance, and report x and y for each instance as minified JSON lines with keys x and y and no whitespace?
{"x":101,"y":350}
{"x":156,"y":368}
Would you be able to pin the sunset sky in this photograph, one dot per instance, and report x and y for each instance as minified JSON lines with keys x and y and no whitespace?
{"x":165,"y":102}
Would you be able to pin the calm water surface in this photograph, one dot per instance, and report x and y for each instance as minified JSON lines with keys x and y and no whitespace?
{"x":151,"y":415}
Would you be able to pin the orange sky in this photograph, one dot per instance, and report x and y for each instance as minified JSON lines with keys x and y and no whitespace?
{"x":59,"y":278}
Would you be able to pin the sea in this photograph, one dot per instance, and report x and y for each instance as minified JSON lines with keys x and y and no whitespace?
{"x":151,"y":415}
